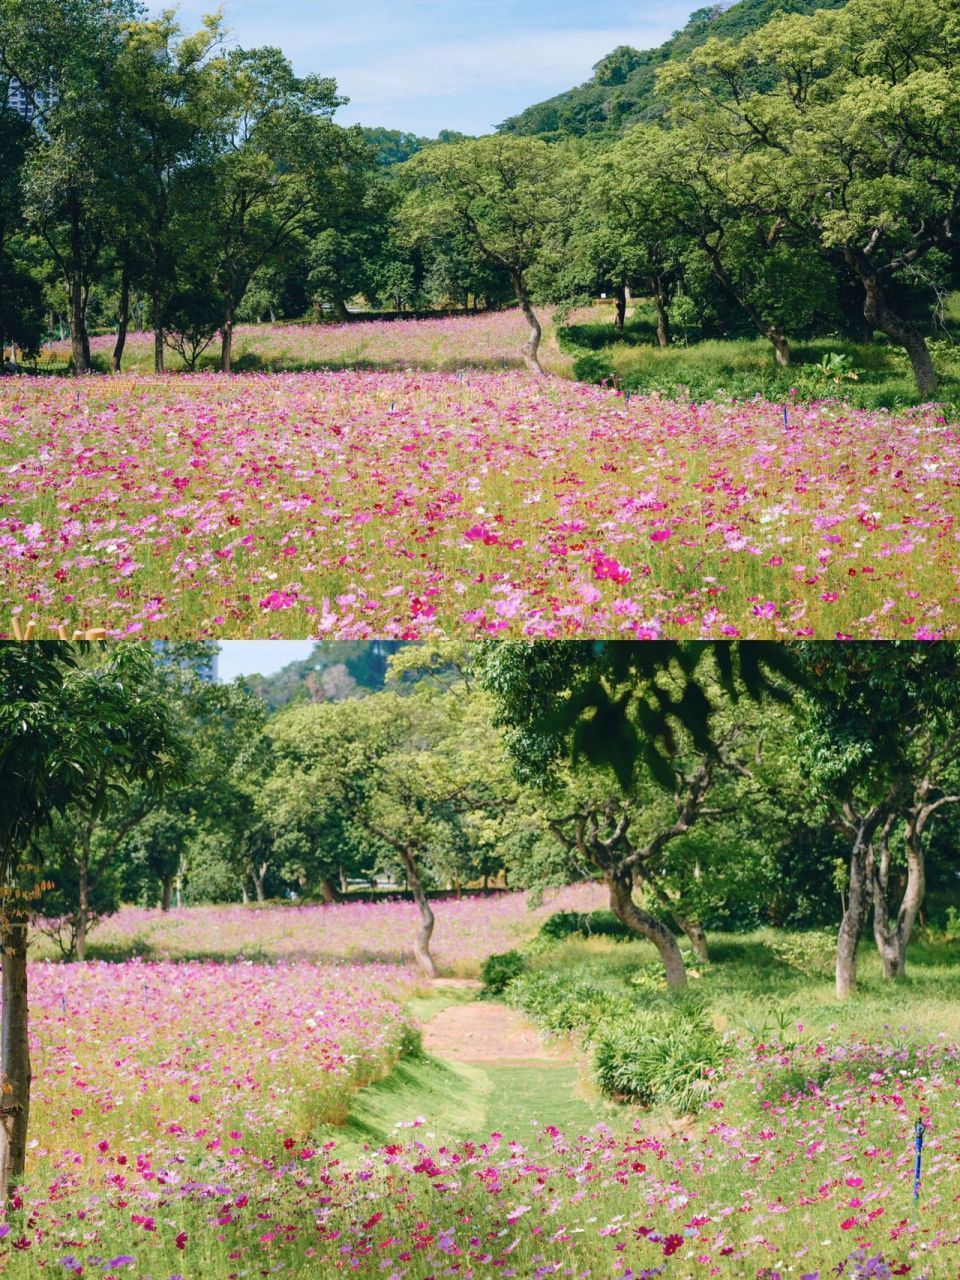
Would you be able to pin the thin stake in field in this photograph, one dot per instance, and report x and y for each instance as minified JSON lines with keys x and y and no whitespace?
{"x":30,"y":632}
{"x":918,"y":1130}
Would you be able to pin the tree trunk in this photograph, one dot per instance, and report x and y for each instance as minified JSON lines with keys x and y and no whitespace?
{"x":15,"y":1074}
{"x":696,"y":935}
{"x":622,"y":905}
{"x":158,"y":350}
{"x":879,"y":315}
{"x":244,"y":895}
{"x":621,"y":312}
{"x":166,"y":892}
{"x":226,"y":348}
{"x":531,"y":347}
{"x":858,"y":900}
{"x":83,"y":913}
{"x":258,"y":879}
{"x":421,"y":943}
{"x":663,"y":320}
{"x":327,"y":891}
{"x":340,"y":309}
{"x":772,"y":332}
{"x":123,"y":316}
{"x":781,"y":347}
{"x":79,"y":344}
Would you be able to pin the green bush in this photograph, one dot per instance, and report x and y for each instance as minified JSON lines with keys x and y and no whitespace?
{"x":566,"y":924}
{"x":500,"y":970}
{"x":665,"y":1056}
{"x":591,"y":367}
{"x":812,"y":953}
{"x":563,"y":1003}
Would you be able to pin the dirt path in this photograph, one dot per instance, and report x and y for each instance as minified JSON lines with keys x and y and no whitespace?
{"x":485,"y":1032}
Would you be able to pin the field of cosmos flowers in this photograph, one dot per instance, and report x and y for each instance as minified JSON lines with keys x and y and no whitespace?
{"x":186,"y":1116}
{"x":427,"y":500}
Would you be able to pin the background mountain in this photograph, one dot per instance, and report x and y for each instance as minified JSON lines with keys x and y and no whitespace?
{"x":622,"y":90}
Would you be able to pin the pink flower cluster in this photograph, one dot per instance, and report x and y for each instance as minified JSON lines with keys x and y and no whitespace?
{"x":466,"y":932}
{"x":362,"y":504}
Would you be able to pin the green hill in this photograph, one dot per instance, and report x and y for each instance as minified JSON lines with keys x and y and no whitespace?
{"x":622,"y":90}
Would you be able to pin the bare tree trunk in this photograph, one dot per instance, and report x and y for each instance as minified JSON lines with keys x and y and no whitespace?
{"x":123,"y":316}
{"x":621,"y":312}
{"x":83,"y":913}
{"x":15,"y":1073}
{"x":622,"y":905}
{"x":421,"y":943}
{"x":244,"y":895}
{"x":166,"y":892}
{"x":696,"y":935}
{"x":879,"y":315}
{"x":893,"y":937}
{"x":258,"y":879}
{"x":663,"y":321}
{"x":79,"y":348}
{"x":532,"y":345}
{"x":327,"y":891}
{"x":340,"y":309}
{"x":858,"y":901}
{"x":226,"y":347}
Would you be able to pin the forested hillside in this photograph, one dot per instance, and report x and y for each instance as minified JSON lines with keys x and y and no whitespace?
{"x":622,"y":90}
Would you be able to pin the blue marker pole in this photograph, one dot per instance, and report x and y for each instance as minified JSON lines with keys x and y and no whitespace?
{"x":918,"y":1132}
{"x":785,"y":422}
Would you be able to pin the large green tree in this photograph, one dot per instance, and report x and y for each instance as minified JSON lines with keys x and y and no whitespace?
{"x":507,"y":198}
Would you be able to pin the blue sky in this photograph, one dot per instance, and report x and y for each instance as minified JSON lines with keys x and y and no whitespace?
{"x":262,"y":657}
{"x":426,"y":65}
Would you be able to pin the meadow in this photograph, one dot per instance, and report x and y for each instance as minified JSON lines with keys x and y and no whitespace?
{"x":348,"y":504}
{"x":238,"y":1119}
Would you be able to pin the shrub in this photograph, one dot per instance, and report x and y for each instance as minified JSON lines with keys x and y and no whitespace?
{"x":591,"y":367}
{"x":500,"y":970}
{"x":563,"y":1003}
{"x":566,"y":924}
{"x":811,"y":953}
{"x":667,"y":1056}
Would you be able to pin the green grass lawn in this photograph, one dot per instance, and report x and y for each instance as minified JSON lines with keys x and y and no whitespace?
{"x":745,"y":367}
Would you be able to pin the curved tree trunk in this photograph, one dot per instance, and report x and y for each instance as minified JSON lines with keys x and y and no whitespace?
{"x":123,"y":317}
{"x":622,"y":905}
{"x":531,"y":347}
{"x":858,"y":896}
{"x":15,"y":1072}
{"x":879,"y":315}
{"x":421,"y":943}
{"x":696,"y":935}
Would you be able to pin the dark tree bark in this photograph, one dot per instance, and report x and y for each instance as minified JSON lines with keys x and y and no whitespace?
{"x":83,"y":911}
{"x":166,"y":892}
{"x":620,"y":314}
{"x":862,"y":827}
{"x":327,"y":891}
{"x":773,"y":332}
{"x":258,"y":876}
{"x":663,"y":319}
{"x":620,"y":887}
{"x":123,"y":315}
{"x":15,"y":1072}
{"x":892,"y":936}
{"x":880,"y":315}
{"x":226,"y":349}
{"x":340,"y":309}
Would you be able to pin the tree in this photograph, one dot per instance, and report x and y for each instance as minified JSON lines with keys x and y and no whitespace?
{"x":505,"y":196}
{"x":256,"y":194}
{"x":411,"y":782}
{"x":844,"y":127}
{"x":882,"y":738}
{"x":75,"y":174}
{"x":640,"y":711}
{"x":60,"y":721}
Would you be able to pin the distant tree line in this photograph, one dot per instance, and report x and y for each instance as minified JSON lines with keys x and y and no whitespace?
{"x":797,"y":178}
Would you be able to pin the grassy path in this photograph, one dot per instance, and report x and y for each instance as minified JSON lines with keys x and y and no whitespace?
{"x":484,"y":1070}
